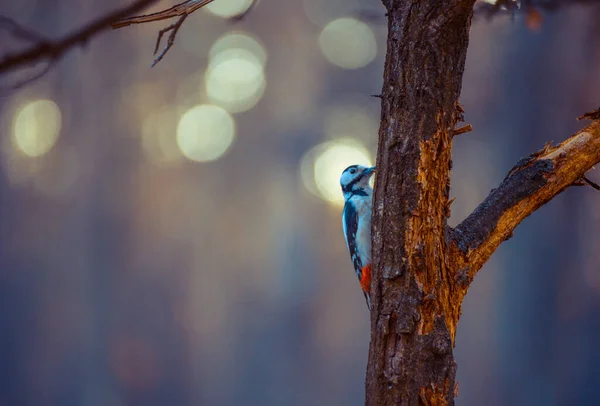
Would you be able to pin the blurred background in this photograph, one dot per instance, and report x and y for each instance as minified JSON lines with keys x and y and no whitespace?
{"x":172,"y":236}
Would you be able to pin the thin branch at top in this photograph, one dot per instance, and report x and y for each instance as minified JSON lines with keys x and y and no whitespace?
{"x":185,"y":8}
{"x":43,"y":50}
{"x":50,"y":51}
{"x":174,"y":28}
{"x":18,"y":31}
{"x":181,"y":10}
{"x":488,"y":9}
{"x":533,"y":182}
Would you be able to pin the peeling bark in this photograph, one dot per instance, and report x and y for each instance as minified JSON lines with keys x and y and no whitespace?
{"x":414,"y":317}
{"x":422,"y":268}
{"x":533,"y":182}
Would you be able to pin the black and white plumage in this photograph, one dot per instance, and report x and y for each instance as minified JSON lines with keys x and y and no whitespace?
{"x":356,"y":221}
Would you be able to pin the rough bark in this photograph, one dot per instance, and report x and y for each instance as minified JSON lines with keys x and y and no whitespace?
{"x":533,"y":182}
{"x":414,"y":319}
{"x":421,"y":267}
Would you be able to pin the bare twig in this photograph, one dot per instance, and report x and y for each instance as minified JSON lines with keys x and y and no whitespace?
{"x":463,"y":129}
{"x":43,"y":49}
{"x":4,"y":91}
{"x":584,"y":181}
{"x":590,"y":115}
{"x":18,"y":31}
{"x":171,"y":40}
{"x":181,"y":10}
{"x":532,"y":183}
{"x":510,"y":7}
{"x":51,"y":51}
{"x":186,"y":7}
{"x":591,"y":183}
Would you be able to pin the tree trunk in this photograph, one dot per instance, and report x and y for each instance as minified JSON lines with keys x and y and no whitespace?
{"x":421,"y":267}
{"x":415,"y":309}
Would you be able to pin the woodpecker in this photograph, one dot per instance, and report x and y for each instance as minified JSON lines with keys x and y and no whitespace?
{"x":356,"y":222}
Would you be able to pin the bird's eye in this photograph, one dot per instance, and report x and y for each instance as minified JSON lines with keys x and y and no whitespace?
{"x":353,"y":171}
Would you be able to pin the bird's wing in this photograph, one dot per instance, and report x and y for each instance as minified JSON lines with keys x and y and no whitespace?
{"x":350,"y":224}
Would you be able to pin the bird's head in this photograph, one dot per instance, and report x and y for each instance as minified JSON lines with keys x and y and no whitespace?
{"x":355,"y":180}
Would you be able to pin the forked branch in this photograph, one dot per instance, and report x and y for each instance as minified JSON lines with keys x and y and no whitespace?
{"x":43,"y":49}
{"x":174,"y":29}
{"x":48,"y":51}
{"x":181,"y":10}
{"x":185,"y":8}
{"x":533,"y":182}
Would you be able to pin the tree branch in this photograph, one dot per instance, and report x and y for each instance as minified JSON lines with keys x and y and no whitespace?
{"x":533,"y":182}
{"x":421,"y":268}
{"x":590,"y":183}
{"x":487,"y":9}
{"x":181,"y":10}
{"x":462,"y":130}
{"x":18,"y":31}
{"x":185,"y":8}
{"x":174,"y":28}
{"x":50,"y":51}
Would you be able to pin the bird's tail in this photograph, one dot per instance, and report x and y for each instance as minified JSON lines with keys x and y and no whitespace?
{"x":365,"y":283}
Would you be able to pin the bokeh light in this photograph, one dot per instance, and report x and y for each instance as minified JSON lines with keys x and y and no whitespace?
{"x":228,"y":8}
{"x":36,"y":127}
{"x":159,"y":139}
{"x":322,"y":166}
{"x":348,"y":43}
{"x":236,"y":80}
{"x":205,"y":132}
{"x":234,"y":42}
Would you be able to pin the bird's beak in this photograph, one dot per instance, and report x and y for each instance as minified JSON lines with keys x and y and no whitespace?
{"x":369,"y":171}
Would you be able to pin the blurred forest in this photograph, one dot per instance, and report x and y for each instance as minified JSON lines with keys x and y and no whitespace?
{"x":172,"y":236}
